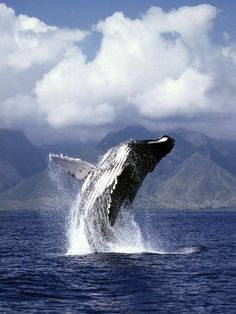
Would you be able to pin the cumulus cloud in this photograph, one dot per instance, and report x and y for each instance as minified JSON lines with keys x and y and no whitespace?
{"x":29,"y":49}
{"x":26,"y":41}
{"x":183,"y":95}
{"x":162,"y":65}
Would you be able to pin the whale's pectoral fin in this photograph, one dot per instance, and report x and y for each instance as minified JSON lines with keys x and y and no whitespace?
{"x":75,"y":167}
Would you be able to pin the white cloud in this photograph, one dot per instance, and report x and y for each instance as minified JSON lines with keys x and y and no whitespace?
{"x":26,"y":41}
{"x":185,"y":95}
{"x":29,"y":49}
{"x":18,"y":109}
{"x":158,"y":66}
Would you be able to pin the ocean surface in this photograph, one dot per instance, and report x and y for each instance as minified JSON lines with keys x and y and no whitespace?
{"x":191,"y":266}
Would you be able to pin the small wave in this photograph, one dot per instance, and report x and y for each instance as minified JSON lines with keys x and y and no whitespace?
{"x":127,"y":250}
{"x":141,"y":250}
{"x":183,"y":250}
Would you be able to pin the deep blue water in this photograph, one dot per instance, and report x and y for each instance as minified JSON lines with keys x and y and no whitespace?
{"x":196,"y":275}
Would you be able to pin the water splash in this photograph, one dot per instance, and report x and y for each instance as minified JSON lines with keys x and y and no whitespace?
{"x":182,"y":250}
{"x":128,"y":238}
{"x":126,"y":235}
{"x":63,"y":188}
{"x":78,"y":238}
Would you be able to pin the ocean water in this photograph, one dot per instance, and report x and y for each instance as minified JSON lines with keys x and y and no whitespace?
{"x":189,"y":266}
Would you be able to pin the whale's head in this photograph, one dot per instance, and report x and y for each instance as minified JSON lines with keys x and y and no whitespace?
{"x":141,"y":158}
{"x":156,"y":148}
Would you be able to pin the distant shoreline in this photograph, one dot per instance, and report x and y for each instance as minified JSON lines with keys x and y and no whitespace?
{"x":160,"y":210}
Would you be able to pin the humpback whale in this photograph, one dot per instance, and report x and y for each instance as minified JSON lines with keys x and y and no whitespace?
{"x":113,"y":183}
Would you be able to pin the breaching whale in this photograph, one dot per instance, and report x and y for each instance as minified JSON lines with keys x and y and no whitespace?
{"x":113,"y":183}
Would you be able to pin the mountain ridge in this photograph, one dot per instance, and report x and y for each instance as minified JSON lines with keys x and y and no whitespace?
{"x":19,"y":158}
{"x":198,"y":173}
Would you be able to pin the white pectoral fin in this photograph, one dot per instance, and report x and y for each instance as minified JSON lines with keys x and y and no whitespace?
{"x":75,"y":167}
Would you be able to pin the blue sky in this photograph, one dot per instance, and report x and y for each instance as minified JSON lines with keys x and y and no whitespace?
{"x":82,"y":14}
{"x":79,"y":67}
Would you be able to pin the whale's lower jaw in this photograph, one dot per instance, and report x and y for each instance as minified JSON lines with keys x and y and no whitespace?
{"x":114,"y":182}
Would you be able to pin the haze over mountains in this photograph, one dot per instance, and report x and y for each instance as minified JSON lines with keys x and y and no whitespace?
{"x":200,"y":172}
{"x":19,"y":158}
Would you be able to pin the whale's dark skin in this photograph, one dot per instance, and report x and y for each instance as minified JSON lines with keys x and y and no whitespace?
{"x":142,"y":159}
